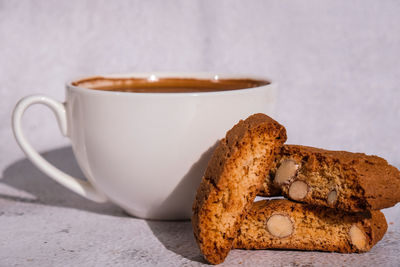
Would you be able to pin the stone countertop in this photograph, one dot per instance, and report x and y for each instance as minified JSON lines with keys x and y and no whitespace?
{"x":43,"y":224}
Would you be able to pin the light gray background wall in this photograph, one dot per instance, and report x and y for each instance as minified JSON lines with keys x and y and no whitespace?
{"x":337,"y":63}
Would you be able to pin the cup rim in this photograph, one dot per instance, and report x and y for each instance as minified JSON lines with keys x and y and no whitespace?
{"x":152,"y":75}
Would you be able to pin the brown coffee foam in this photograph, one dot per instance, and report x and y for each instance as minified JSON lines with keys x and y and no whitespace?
{"x":167,"y":85}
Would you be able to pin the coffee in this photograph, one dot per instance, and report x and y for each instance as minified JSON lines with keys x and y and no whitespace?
{"x":167,"y":85}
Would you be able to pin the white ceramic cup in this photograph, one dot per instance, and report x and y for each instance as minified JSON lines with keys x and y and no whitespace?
{"x":145,"y":152}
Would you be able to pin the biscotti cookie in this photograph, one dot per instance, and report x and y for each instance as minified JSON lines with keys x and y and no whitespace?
{"x":336,"y":179}
{"x":285,"y":224}
{"x":231,"y":181}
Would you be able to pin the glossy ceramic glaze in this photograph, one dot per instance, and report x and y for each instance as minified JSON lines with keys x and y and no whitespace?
{"x":145,"y":152}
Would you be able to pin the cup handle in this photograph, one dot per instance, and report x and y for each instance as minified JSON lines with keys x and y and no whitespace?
{"x":80,"y":187}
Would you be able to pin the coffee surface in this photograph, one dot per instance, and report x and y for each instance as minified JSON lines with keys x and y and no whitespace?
{"x":167,"y":85}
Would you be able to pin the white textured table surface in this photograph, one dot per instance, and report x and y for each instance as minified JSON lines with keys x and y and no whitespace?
{"x":43,"y":224}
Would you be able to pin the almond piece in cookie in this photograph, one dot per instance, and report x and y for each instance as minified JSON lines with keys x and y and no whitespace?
{"x":298,"y":190}
{"x":280,"y":225}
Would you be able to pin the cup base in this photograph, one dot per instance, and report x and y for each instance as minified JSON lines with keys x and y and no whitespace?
{"x":156,"y":217}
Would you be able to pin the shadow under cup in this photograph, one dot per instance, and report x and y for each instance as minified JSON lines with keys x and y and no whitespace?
{"x":143,"y":141}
